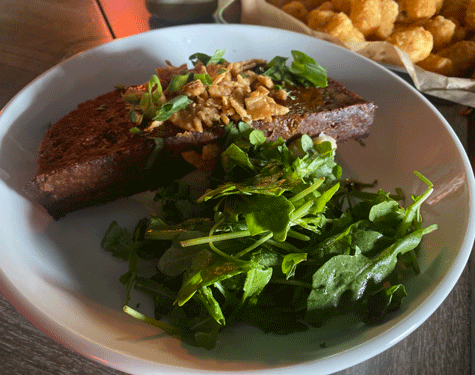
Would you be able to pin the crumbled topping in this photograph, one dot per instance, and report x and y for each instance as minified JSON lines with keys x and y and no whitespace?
{"x":236,"y":94}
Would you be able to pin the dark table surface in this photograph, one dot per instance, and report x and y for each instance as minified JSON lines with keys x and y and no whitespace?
{"x":36,"y":35}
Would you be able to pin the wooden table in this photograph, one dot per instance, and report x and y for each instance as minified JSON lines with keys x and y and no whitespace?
{"x":36,"y":35}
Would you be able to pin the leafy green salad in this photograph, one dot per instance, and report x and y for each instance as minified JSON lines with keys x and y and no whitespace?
{"x":279,"y":241}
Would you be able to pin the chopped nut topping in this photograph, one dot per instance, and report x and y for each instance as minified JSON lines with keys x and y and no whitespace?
{"x":236,"y":94}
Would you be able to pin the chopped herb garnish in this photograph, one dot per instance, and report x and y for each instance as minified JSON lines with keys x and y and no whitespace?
{"x":172,"y":106}
{"x":204,"y":78}
{"x":177,"y":82}
{"x":136,"y":130}
{"x":217,"y":58}
{"x":304,"y":71}
{"x":148,"y":106}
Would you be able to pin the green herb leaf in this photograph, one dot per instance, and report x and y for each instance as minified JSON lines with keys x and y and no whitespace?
{"x":349,"y":276}
{"x":308,"y":69}
{"x":269,"y":213}
{"x":256,"y":280}
{"x":304,"y":71}
{"x":257,"y":138}
{"x":233,"y":156}
{"x":290,"y":261}
{"x":118,"y":241}
{"x":177,"y":82}
{"x":172,"y":106}
{"x":154,"y":89}
{"x":205,"y":296}
{"x":208,"y":276}
{"x":204,"y":78}
{"x":217,"y":58}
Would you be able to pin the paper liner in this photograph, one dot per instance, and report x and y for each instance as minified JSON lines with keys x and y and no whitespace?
{"x":458,"y":90}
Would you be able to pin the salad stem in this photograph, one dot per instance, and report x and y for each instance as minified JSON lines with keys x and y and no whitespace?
{"x":299,"y":236}
{"x":301,"y":211}
{"x":255,"y":245}
{"x":219,"y":252}
{"x":215,"y":238}
{"x":308,"y":190}
{"x":284,"y":246}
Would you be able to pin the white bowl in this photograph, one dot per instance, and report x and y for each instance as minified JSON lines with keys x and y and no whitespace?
{"x":56,"y":274}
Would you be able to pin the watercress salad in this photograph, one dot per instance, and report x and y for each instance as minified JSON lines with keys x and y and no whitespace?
{"x":279,"y":241}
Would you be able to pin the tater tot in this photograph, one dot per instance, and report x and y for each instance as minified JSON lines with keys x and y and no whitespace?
{"x":340,"y":26}
{"x":296,"y":9}
{"x":462,"y":55}
{"x":442,"y":30}
{"x":389,"y":11}
{"x":366,"y":15}
{"x":437,"y":64}
{"x":470,"y":15}
{"x":438,"y":5}
{"x":415,"y":41}
{"x":313,"y":4}
{"x":460,"y":32}
{"x":455,"y":9}
{"x":419,"y":9}
{"x":327,"y":5}
{"x":317,"y":19}
{"x":342,"y":5}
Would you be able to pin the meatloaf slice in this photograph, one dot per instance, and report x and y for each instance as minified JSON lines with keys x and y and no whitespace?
{"x":90,"y":157}
{"x":333,"y":110}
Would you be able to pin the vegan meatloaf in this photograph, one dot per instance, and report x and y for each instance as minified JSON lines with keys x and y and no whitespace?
{"x":90,"y":157}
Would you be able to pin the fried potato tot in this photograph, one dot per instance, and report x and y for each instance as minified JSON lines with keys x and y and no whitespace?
{"x":460,"y":32}
{"x":339,"y":25}
{"x":470,"y":15}
{"x":366,"y":15}
{"x":455,"y":9}
{"x":438,"y":5}
{"x":442,"y":30}
{"x":419,"y":9}
{"x":437,"y":64}
{"x":462,"y":55}
{"x":415,"y":41}
{"x":389,"y":11}
{"x":336,"y":24}
{"x":296,"y":9}
{"x":342,"y":5}
{"x":327,"y":5}
{"x":313,"y":4}
{"x":317,"y":19}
